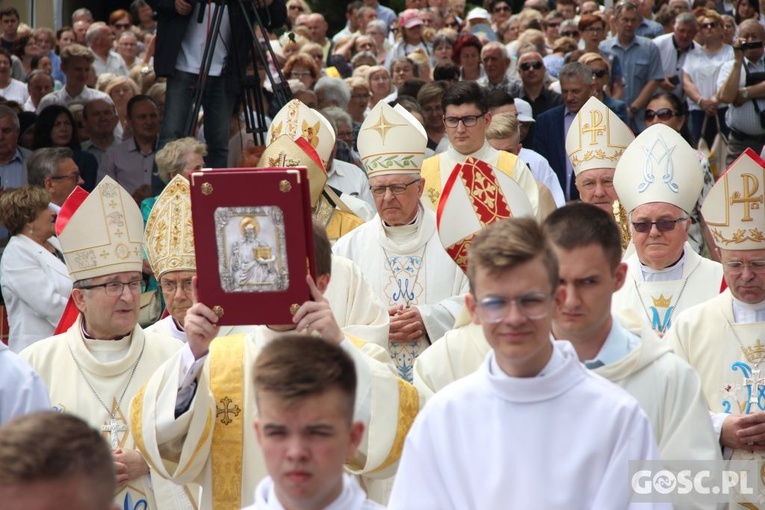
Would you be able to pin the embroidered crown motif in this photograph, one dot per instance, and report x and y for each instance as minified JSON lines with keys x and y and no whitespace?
{"x":661,"y":301}
{"x":755,"y":353}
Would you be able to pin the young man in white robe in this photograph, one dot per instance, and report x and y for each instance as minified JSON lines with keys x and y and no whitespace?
{"x":500,"y":448}
{"x":305,"y":390}
{"x":722,"y":338}
{"x":174,"y":263}
{"x":399,"y":250}
{"x":658,"y":180}
{"x":95,"y":368}
{"x":194,"y":414}
{"x":467,"y":117}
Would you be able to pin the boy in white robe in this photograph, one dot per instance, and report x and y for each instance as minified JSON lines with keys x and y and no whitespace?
{"x":305,"y":389}
{"x":502,"y":446}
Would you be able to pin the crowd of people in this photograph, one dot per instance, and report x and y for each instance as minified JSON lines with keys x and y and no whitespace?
{"x":530,"y":270}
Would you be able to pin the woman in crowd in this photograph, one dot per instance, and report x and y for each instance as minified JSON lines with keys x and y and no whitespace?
{"x":294,"y":9}
{"x":380,"y":85}
{"x":64,"y":37}
{"x":122,"y":89}
{"x":700,"y":79}
{"x":127,"y":47}
{"x":26,"y":48}
{"x":729,"y":28}
{"x":359,"y":99}
{"x":378,"y":31}
{"x":316,"y":52}
{"x":466,"y":53}
{"x":56,"y":127}
{"x":411,"y":26}
{"x":303,"y":68}
{"x":10,"y":88}
{"x":46,"y":41}
{"x":35,"y":281}
{"x":747,"y":9}
{"x":120,"y":21}
{"x":601,"y":73}
{"x":402,"y":69}
{"x":592,"y":28}
{"x":442,"y":49}
{"x":666,"y":108}
{"x":143,"y":13}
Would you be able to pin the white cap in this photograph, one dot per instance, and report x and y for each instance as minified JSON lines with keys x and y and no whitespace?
{"x":525,"y":113}
{"x":478,"y":13}
{"x":391,"y":141}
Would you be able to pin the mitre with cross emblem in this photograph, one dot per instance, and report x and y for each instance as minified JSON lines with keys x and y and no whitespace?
{"x":391,"y":141}
{"x":104,"y":235}
{"x":297,"y":120}
{"x":659,"y":166}
{"x":597,"y":138}
{"x":734,"y":208}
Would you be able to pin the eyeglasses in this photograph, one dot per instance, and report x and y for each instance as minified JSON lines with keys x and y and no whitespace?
{"x":396,"y":189}
{"x":75,"y":177}
{"x":662,"y":225}
{"x":467,"y":120}
{"x":494,"y":309}
{"x":531,"y":65}
{"x":574,"y":33}
{"x":737,"y":267}
{"x":501,"y":8}
{"x":296,"y":8}
{"x":594,"y":29}
{"x":300,"y":74}
{"x":707,"y":26}
{"x":599,"y":73}
{"x":663,"y":114}
{"x":172,"y":286}
{"x":115,"y":289}
{"x":122,"y":26}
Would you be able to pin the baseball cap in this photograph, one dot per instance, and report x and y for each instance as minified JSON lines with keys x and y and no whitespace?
{"x":409,"y":18}
{"x":524,"y":110}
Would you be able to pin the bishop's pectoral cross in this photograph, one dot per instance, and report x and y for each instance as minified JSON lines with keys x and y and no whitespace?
{"x":114,"y":427}
{"x":754,"y":384}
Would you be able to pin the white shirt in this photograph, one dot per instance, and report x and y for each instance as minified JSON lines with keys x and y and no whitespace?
{"x":351,"y":180}
{"x":63,"y":98}
{"x":114,"y":63}
{"x":193,"y":45}
{"x":352,"y":497}
{"x":703,"y":68}
{"x":15,"y":91}
{"x":543,"y":172}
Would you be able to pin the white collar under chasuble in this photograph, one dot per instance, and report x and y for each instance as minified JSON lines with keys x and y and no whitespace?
{"x":90,"y":361}
{"x":411,"y":238}
{"x":673,"y":272}
{"x":485,"y":153}
{"x":522,"y":389}
{"x":744,"y":313}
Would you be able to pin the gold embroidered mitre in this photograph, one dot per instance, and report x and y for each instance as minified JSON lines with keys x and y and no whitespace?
{"x":391,"y":141}
{"x":734,"y":208}
{"x":597,"y":138}
{"x":297,"y":120}
{"x":285,"y":152}
{"x":169,"y":230}
{"x":105,"y":234}
{"x":659,"y":166}
{"x":475,"y":195}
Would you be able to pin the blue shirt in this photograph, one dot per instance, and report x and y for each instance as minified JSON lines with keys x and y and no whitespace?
{"x":618,"y":344}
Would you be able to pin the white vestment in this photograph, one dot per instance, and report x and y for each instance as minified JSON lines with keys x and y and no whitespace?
{"x":352,"y":497}
{"x":408,"y":266}
{"x":54,"y":359}
{"x":21,"y":389}
{"x":653,"y":305}
{"x":184,"y":449}
{"x":491,"y":441}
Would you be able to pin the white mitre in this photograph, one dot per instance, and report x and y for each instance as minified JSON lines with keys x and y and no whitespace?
{"x":597,"y":138}
{"x":391,"y":141}
{"x":104,"y":235}
{"x":659,"y":166}
{"x":734,"y":208}
{"x":169,"y":230}
{"x":295,"y":120}
{"x":476,"y":195}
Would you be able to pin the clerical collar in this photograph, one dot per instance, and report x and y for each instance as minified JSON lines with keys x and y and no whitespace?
{"x":555,"y":361}
{"x":401,"y":231}
{"x":87,"y":336}
{"x":669,"y":273}
{"x":745,"y":313}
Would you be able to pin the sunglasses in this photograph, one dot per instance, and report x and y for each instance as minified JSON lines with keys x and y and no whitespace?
{"x":594,"y":29}
{"x":599,"y":73}
{"x":663,"y":114}
{"x":707,"y":26}
{"x":531,"y":65}
{"x":570,"y":34}
{"x":644,"y":227}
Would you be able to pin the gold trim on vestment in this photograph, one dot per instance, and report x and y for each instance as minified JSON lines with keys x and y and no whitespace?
{"x":136,"y":425}
{"x":408,"y":407}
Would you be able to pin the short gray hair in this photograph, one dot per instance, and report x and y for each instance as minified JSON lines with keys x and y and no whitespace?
{"x":94,"y":31}
{"x":171,"y":158}
{"x":337,"y":116}
{"x":335,"y":89}
{"x":7,"y":111}
{"x":686,"y":18}
{"x":494,"y":45}
{"x":43,"y":163}
{"x":378,"y":24}
{"x":576,"y":70}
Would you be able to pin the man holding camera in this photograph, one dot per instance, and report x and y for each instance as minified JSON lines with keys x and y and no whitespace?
{"x":741,"y":83}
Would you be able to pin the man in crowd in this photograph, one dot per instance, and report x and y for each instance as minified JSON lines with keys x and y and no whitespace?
{"x":76,"y":61}
{"x":13,"y":158}
{"x":131,"y":162}
{"x":100,"y":39}
{"x":533,"y":87}
{"x":54,"y":169}
{"x":39,"y":84}
{"x":665,"y":276}
{"x":495,"y":64}
{"x":386,"y":14}
{"x":100,"y":119}
{"x":9,"y":19}
{"x":514,"y":291}
{"x":673,"y":48}
{"x":318,"y":27}
{"x":640,"y":61}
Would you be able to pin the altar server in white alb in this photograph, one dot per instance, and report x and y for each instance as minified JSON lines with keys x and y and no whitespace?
{"x":305,"y":390}
{"x":723,"y":337}
{"x":95,"y":367}
{"x":399,"y":250}
{"x":488,"y":440}
{"x":195,"y":414}
{"x":658,"y":181}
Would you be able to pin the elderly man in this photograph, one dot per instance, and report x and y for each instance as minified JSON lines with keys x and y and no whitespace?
{"x":673,"y":48}
{"x":39,"y":84}
{"x":100,"y":39}
{"x":94,"y":368}
{"x":318,"y":26}
{"x":399,"y":249}
{"x":467,"y":117}
{"x":13,"y":159}
{"x":100,"y":119}
{"x":577,"y":86}
{"x":496,"y":62}
{"x":658,"y":181}
{"x":131,"y":163}
{"x":721,"y":338}
{"x":76,"y":61}
{"x":640,"y":61}
{"x":531,"y":68}
{"x":54,"y":169}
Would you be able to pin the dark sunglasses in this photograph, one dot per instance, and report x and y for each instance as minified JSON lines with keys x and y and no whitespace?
{"x":662,"y":225}
{"x":663,"y":114}
{"x":531,"y":65}
{"x":599,"y":73}
{"x":570,"y":34}
{"x":714,"y":24}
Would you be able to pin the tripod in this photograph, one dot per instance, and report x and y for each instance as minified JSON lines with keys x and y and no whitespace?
{"x":252,"y":93}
